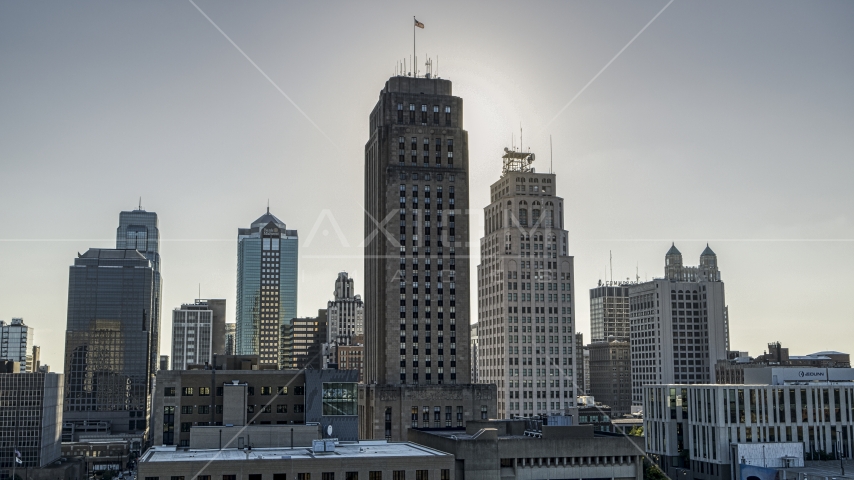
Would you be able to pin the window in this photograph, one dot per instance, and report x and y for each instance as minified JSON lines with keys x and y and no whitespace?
{"x":280,"y":476}
{"x":168,"y":392}
{"x":446,"y":474}
{"x":339,"y":398}
{"x":185,"y":426}
{"x":266,"y":390}
{"x":299,"y":408}
{"x":327,"y":476}
{"x":229,"y":477}
{"x":267,"y":408}
{"x":303,"y":476}
{"x":204,"y":409}
{"x":186,"y":409}
{"x":255,"y":476}
{"x":281,"y":409}
{"x":177,"y":478}
{"x":372,"y":475}
{"x":299,"y":390}
{"x":187,"y":392}
{"x":352,"y":475}
{"x":483,"y":412}
{"x":422,"y":475}
{"x":250,"y":409}
{"x":204,"y":391}
{"x":448,"y":116}
{"x":283,"y":390}
{"x":398,"y":475}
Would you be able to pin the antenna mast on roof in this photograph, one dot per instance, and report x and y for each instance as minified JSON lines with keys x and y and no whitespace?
{"x":140,"y":203}
{"x":551,"y":155}
{"x":268,"y":206}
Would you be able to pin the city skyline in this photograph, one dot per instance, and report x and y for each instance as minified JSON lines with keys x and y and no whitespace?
{"x":737,"y":139}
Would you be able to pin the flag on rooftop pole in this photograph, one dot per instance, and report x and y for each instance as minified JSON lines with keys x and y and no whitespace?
{"x":418,"y":24}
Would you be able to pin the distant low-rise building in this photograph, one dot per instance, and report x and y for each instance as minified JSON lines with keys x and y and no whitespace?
{"x":732,"y":369}
{"x":16,"y":343}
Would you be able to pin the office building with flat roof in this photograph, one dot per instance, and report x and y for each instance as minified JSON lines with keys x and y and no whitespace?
{"x":417,"y":325}
{"x":109,"y":339}
{"x":30,"y":419}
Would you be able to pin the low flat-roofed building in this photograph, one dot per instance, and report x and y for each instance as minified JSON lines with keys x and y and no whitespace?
{"x":692,"y":429}
{"x":374,"y":459}
{"x":526,"y":449}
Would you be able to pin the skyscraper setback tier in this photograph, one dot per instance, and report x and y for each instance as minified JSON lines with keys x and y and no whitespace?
{"x":526,"y":331}
{"x":609,"y":312}
{"x":266,"y":290}
{"x":679,"y":324}
{"x":198,"y":332}
{"x":417,"y":231}
{"x":109,"y":339}
{"x":138,"y":230}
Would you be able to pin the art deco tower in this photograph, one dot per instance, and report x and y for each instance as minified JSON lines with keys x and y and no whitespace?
{"x":417,"y":231}
{"x":417,"y":325}
{"x":526,"y":332}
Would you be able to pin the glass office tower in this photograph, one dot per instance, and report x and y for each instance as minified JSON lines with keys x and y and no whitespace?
{"x":109,"y":339}
{"x":266,"y":290}
{"x":138,"y":230}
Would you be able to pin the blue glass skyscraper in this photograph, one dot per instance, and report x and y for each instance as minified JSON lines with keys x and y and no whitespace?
{"x":266,"y":290}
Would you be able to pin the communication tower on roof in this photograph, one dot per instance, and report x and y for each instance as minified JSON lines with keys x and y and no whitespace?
{"x":517,"y":161}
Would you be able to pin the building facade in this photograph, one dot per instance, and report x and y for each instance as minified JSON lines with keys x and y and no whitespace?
{"x":367,"y":460}
{"x":230,"y":332}
{"x":346,"y":313}
{"x":475,"y":375}
{"x":193,"y":337}
{"x":109,"y":339}
{"x":30,"y":419}
{"x":694,"y":428}
{"x":581,"y":382}
{"x":525,"y":449}
{"x":267,"y":255}
{"x":16,"y":343}
{"x":609,"y":312}
{"x":679,"y":324}
{"x":610,"y":374}
{"x":525,"y":302}
{"x":352,"y":357}
{"x":416,"y":254}
{"x":308,"y":336}
{"x":138,"y":230}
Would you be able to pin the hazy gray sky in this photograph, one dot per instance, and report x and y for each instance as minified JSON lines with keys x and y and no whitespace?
{"x":727,"y":122}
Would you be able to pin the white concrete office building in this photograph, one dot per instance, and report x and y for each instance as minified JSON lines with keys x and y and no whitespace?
{"x":526,"y":332}
{"x":679,"y":324}
{"x":192,"y":336}
{"x":696,"y":428}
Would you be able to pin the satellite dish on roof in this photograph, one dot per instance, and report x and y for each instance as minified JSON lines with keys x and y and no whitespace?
{"x":329,"y":430}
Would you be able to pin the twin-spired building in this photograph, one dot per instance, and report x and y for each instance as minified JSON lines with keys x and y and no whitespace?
{"x":526,"y":332}
{"x":679,"y":324}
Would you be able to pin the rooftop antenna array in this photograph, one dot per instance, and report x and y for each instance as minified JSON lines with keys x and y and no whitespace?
{"x":516,"y":161}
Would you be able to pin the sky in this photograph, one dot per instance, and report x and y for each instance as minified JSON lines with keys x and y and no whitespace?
{"x":727,"y":122}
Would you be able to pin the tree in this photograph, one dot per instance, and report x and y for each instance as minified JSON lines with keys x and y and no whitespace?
{"x":652,"y":472}
{"x":636,"y":431}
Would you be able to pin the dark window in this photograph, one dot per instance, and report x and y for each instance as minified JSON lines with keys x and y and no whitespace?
{"x":251,"y":390}
{"x":398,"y":475}
{"x":177,"y":478}
{"x":218,"y":391}
{"x":299,"y":408}
{"x":423,"y":114}
{"x":411,"y":113}
{"x":168,"y":392}
{"x":355,"y":475}
{"x":254,"y":476}
{"x":281,"y":409}
{"x":229,"y":477}
{"x":299,"y":390}
{"x":422,"y":475}
{"x":448,"y":116}
{"x":435,"y":114}
{"x":280,"y":476}
{"x":446,"y":472}
{"x":375,"y":475}
{"x":203,"y":477}
{"x":399,"y":113}
{"x":186,"y":409}
{"x":187,"y":392}
{"x":185,"y":426}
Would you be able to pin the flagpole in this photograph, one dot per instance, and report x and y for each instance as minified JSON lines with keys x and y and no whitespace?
{"x":414,"y":74}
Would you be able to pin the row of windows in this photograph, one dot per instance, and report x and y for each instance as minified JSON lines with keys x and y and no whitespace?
{"x":423,"y":117}
{"x":206,"y":391}
{"x":444,"y":474}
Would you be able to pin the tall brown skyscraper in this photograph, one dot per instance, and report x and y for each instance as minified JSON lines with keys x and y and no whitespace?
{"x":417,"y":236}
{"x":417,"y":310}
